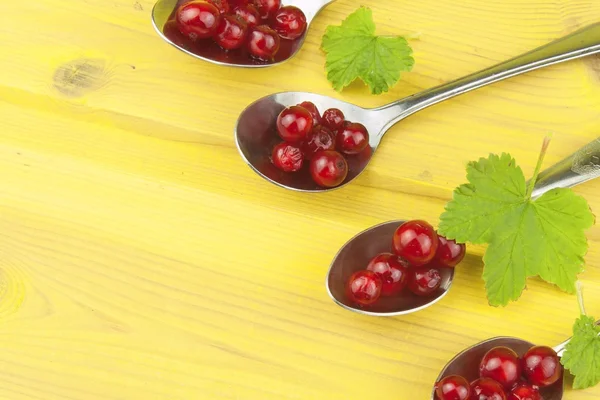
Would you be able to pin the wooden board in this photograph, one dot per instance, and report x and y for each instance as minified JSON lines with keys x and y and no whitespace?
{"x":140,"y":258}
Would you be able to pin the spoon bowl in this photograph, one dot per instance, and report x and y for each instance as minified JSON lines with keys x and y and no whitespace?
{"x":163,"y":10}
{"x":256,"y":133}
{"x":579,"y":167}
{"x":356,"y":254}
{"x":466,"y":363}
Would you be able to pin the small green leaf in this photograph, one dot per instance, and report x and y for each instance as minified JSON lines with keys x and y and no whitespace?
{"x":582,"y":354}
{"x":562,"y":217}
{"x":354,"y":51}
{"x":497,"y":187}
{"x":526,"y":238}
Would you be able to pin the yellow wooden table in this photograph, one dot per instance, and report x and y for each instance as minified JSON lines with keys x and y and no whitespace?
{"x":140,"y":258}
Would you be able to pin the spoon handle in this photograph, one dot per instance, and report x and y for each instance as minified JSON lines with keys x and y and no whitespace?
{"x":581,"y":43}
{"x":577,"y":168}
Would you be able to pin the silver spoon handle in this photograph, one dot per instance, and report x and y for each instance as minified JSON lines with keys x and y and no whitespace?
{"x":577,"y":168}
{"x":581,"y":43}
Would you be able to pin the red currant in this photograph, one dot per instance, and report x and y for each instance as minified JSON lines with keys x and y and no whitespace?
{"x":249,"y":14}
{"x":333,"y":119}
{"x":198,"y":19}
{"x":392,"y":270}
{"x":541,"y":366}
{"x":424,"y":281}
{"x":453,"y":387}
{"x":289,"y":22}
{"x":449,"y":253}
{"x":328,"y":168}
{"x":364,"y":288}
{"x":487,"y":389}
{"x":264,"y":42}
{"x":231,"y":32}
{"x":502,"y":365}
{"x":222,"y":5}
{"x":416,"y":242}
{"x":524,"y":391}
{"x":352,"y":138}
{"x":238,"y":3}
{"x":287,"y":157}
{"x":318,"y":139}
{"x":294,"y":123}
{"x":313,"y":110}
{"x":267,"y":8}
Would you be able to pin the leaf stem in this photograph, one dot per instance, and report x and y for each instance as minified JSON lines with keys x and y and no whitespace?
{"x":538,"y":166}
{"x":579,"y":288}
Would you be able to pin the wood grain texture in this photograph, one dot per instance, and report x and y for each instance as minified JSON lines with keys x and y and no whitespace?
{"x":140,"y":258}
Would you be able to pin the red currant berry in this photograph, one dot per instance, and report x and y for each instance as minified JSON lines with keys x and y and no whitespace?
{"x":333,"y":119}
{"x":313,"y":110}
{"x":198,"y":19}
{"x":502,"y":365}
{"x":393,"y":272}
{"x":541,"y":366}
{"x":453,"y":387}
{"x":364,"y":288}
{"x":238,"y":3}
{"x":328,"y":168}
{"x":231,"y":32}
{"x":289,"y":22}
{"x":449,"y":253}
{"x":222,"y":5}
{"x":287,"y":157}
{"x":264,"y":42}
{"x":424,"y":281}
{"x":267,"y":8}
{"x":318,"y":139}
{"x":294,"y":123}
{"x":249,"y":14}
{"x":416,"y":242}
{"x":524,"y":391}
{"x":487,"y":389}
{"x":352,"y":138}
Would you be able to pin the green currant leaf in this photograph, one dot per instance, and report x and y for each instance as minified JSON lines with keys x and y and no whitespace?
{"x":543,"y":237}
{"x":582,"y":354}
{"x":354,"y":51}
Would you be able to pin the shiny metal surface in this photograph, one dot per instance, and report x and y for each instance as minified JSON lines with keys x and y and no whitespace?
{"x":255,"y":128}
{"x":163,"y":8}
{"x":577,"y":168}
{"x":356,"y":254}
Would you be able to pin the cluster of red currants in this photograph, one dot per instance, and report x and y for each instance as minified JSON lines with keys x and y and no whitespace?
{"x":257,"y":25}
{"x":323,"y":140}
{"x":419,"y":252}
{"x":505,"y":376}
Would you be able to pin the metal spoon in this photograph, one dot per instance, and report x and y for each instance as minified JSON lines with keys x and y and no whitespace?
{"x":255,"y":131}
{"x":164,"y":8}
{"x":355,"y":255}
{"x":466,"y":363}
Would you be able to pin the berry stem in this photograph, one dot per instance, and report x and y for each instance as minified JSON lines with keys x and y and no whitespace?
{"x":538,"y":166}
{"x":579,"y":288}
